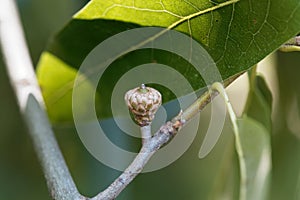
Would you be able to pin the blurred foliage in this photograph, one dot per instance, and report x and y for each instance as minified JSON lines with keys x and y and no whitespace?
{"x":286,"y":132}
{"x":41,"y":19}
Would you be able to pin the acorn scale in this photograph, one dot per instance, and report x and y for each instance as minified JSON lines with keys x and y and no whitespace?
{"x":143,"y":102}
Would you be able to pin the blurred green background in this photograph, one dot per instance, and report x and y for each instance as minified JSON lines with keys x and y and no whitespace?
{"x":187,"y":178}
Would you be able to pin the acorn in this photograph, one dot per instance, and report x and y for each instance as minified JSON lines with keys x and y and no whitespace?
{"x":143,"y":102}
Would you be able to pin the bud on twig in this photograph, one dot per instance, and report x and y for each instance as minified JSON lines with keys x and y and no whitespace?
{"x":143,"y":102}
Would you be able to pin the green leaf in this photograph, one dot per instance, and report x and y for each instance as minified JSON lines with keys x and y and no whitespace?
{"x":255,"y":140}
{"x":237,"y":36}
{"x":53,"y":92}
{"x":259,"y":101}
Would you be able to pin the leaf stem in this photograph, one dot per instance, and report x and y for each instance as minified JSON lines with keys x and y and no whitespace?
{"x":146,"y":134}
{"x":243,"y":173}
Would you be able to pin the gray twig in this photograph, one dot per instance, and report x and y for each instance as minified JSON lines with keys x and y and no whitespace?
{"x":291,"y":45}
{"x":29,"y":97}
{"x":154,"y":143}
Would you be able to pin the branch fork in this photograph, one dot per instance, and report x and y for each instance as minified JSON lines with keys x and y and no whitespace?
{"x":146,"y":103}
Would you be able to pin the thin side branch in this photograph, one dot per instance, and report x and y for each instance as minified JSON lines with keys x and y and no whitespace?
{"x":29,"y":97}
{"x":291,"y":45}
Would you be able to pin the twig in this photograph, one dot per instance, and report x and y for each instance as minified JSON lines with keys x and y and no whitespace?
{"x":291,"y":45}
{"x":29,"y":97}
{"x":205,"y":99}
{"x":129,"y":174}
{"x":294,"y":41}
{"x":153,"y":144}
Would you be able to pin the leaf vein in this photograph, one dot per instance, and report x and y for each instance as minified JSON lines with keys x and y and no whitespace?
{"x":140,"y":9}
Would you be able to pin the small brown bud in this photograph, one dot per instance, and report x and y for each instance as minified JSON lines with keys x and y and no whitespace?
{"x":143,"y":102}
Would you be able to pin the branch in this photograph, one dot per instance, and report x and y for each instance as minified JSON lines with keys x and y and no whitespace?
{"x":291,"y":45}
{"x":29,"y":97}
{"x":132,"y":170}
{"x":21,"y":73}
{"x":153,"y":144}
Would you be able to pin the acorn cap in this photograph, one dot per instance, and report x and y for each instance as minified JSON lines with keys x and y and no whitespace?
{"x":143,"y":102}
